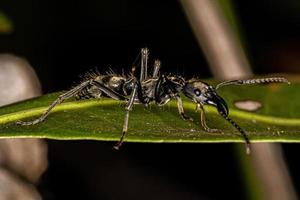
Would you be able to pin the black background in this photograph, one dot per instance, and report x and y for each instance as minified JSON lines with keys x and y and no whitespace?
{"x":64,"y":39}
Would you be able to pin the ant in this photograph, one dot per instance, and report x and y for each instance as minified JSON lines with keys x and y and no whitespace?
{"x":145,"y":87}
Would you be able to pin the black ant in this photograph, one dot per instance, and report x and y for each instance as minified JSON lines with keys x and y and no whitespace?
{"x":157,"y":87}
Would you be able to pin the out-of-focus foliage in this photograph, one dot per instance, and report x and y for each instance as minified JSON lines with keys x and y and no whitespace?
{"x":6,"y":25}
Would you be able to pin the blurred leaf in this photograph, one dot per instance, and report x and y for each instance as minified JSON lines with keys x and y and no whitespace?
{"x":6,"y":25}
{"x":278,"y":119}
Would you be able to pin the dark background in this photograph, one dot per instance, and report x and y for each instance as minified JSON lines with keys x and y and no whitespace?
{"x":64,"y":39}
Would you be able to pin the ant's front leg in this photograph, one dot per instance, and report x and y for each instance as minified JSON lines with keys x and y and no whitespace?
{"x":180,"y":109}
{"x":203,"y":121}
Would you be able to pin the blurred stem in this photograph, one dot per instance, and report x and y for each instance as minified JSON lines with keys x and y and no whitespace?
{"x":223,"y":50}
{"x":254,"y":188}
{"x":266,"y":173}
{"x":268,"y":165}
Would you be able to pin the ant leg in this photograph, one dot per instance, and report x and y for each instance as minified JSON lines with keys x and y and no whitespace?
{"x":156,"y":68}
{"x":247,"y":142}
{"x":59,"y":100}
{"x":108,"y":91}
{"x":253,"y":81}
{"x":154,"y":77}
{"x":142,"y":58}
{"x":157,"y":89}
{"x":203,"y":121}
{"x":160,"y":99}
{"x":128,"y":108}
{"x":69,"y":94}
{"x":180,"y":109}
{"x":144,"y":64}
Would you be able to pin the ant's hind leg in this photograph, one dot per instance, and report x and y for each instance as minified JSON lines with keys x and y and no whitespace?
{"x":203,"y":121}
{"x":71,"y":93}
{"x":59,"y":100}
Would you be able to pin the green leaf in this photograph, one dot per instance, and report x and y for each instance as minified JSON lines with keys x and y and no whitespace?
{"x":278,"y":120}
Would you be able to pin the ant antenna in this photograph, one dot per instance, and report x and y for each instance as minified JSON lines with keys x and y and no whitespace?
{"x":248,"y":146}
{"x":253,"y":81}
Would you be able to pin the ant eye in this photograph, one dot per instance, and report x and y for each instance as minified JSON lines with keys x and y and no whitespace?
{"x":197,"y":92}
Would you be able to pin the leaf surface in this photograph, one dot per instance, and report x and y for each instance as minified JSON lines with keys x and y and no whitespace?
{"x":278,"y":120}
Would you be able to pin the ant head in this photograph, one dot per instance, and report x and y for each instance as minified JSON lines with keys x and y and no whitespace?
{"x":203,"y":93}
